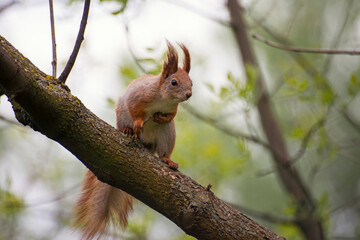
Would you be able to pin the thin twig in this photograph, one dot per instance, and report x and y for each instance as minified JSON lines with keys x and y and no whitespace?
{"x":343,"y":206}
{"x":351,"y":120}
{"x":337,"y":39}
{"x":304,"y":143}
{"x":314,"y":128}
{"x":57,"y":198}
{"x":9,"y":120}
{"x":136,"y":59}
{"x":80,"y":37}
{"x":298,"y":58}
{"x":53,"y":40}
{"x":305,"y":50}
{"x":199,"y":12}
{"x":8,"y":5}
{"x":263,"y":216}
{"x":213,"y":122}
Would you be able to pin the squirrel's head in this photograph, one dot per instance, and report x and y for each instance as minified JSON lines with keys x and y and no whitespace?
{"x":175,"y":81}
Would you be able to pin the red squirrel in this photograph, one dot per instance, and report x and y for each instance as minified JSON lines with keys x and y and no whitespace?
{"x":146,"y":111}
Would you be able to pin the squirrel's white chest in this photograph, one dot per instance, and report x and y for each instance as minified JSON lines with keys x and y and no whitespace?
{"x":163,"y":106}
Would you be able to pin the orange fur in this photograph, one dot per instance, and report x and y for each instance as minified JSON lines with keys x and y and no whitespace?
{"x":164,"y":117}
{"x":171,"y":64}
{"x":146,"y":110}
{"x":186,"y":64}
{"x":100,"y":205}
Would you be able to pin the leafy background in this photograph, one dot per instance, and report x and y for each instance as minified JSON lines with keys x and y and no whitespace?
{"x":219,"y":138}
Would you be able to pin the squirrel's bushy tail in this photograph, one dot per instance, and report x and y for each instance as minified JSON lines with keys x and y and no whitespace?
{"x":99,"y":207}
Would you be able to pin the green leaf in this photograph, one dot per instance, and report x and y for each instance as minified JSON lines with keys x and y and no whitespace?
{"x":327,"y":96}
{"x":123,"y":4}
{"x":128,"y":73}
{"x":298,"y":133}
{"x":111,"y":102}
{"x":354,"y":86}
{"x":210,"y":87}
{"x":150,"y":60}
{"x":224,"y":92}
{"x":251,"y":73}
{"x":10,"y":204}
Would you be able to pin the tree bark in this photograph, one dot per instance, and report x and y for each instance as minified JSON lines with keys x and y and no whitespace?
{"x":306,"y":217}
{"x":46,"y":105}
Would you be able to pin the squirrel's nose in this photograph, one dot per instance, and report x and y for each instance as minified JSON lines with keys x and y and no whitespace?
{"x":188,"y":95}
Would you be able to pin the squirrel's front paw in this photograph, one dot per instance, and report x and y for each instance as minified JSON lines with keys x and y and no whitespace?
{"x":138,"y":126}
{"x":162,"y":117}
{"x":128,"y":131}
{"x":173,"y":165}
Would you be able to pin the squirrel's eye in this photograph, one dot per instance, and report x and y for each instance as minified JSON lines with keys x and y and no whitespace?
{"x":174,"y":82}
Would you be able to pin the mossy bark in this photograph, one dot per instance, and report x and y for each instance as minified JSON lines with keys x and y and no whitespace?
{"x":47,"y":105}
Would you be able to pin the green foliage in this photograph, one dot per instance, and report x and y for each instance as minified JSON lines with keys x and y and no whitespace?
{"x":323,"y":205}
{"x":290,"y":231}
{"x":111,"y":103}
{"x":298,"y":133}
{"x":353,"y":86}
{"x":128,"y":73}
{"x":184,"y":237}
{"x":295,"y":86}
{"x":140,"y":223}
{"x":122,"y":3}
{"x":133,"y":69}
{"x":316,"y":90}
{"x":11,"y":208}
{"x":236,"y":89}
{"x":208,"y":154}
{"x":10,"y":204}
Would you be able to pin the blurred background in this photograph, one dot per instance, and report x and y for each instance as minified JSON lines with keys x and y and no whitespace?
{"x":220,"y":140}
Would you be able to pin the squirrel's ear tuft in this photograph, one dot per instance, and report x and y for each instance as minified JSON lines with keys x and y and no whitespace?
{"x":171,"y":63}
{"x":187,"y":60}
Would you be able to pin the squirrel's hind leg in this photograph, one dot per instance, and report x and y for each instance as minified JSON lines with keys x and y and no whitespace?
{"x":165,"y":144}
{"x":173,"y":165}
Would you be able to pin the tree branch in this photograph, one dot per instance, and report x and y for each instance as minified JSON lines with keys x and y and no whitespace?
{"x":264,"y":216}
{"x":199,"y":11}
{"x":53,"y":40}
{"x":80,"y":37}
{"x":305,"y":50}
{"x":8,"y":5}
{"x":136,"y":59}
{"x":2,"y":118}
{"x":309,"y":224}
{"x":347,"y":115}
{"x":48,"y":107}
{"x":339,"y":35}
{"x":213,"y":122}
{"x":314,"y":128}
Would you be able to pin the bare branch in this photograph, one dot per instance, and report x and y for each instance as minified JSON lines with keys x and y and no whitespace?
{"x":305,"y":50}
{"x":80,"y":37}
{"x":9,"y":120}
{"x":298,"y":58}
{"x":290,"y":178}
{"x":343,"y":206}
{"x":136,"y":59}
{"x":351,"y":120}
{"x":263,"y":216}
{"x":58,"y":197}
{"x":215,"y":123}
{"x":53,"y":40}
{"x":339,"y":35}
{"x":200,"y":12}
{"x":8,"y":5}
